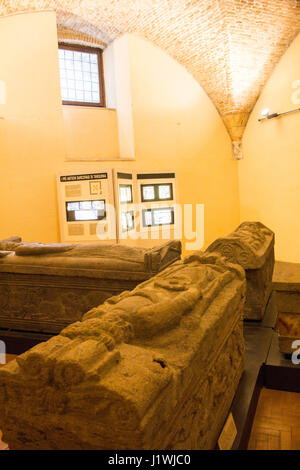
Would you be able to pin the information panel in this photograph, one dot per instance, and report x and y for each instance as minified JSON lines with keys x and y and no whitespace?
{"x":86,"y":206}
{"x":157,"y":195}
{"x":125,"y":188}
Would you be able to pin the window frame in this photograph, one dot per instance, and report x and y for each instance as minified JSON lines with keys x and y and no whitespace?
{"x":99,"y":52}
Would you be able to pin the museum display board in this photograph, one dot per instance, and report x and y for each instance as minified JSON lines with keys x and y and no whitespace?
{"x":125,"y":201}
{"x":110,"y":204}
{"x":86,"y":205}
{"x":157,"y":194}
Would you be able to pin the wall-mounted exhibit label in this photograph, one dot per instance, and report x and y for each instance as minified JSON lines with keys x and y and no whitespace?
{"x":86,"y":205}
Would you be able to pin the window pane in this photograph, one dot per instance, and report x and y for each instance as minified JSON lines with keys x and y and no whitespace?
{"x":79,"y":95}
{"x":86,"y":67}
{"x":69,"y":54}
{"x":94,"y":68}
{"x":95,"y":87}
{"x":86,"y":76}
{"x":77,"y":56}
{"x":77,"y":65}
{"x":69,"y":64}
{"x":70,"y":74}
{"x":87,"y":86}
{"x":85,"y":57}
{"x":79,"y":76}
{"x":72,"y":94}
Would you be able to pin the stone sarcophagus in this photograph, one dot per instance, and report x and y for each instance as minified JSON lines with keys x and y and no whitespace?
{"x":43,"y":288}
{"x":154,"y":368}
{"x":252,"y":246}
{"x":286,"y":284}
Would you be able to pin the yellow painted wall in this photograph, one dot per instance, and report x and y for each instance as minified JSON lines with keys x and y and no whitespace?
{"x":90,"y":132}
{"x":37,"y":133}
{"x":174,"y":126}
{"x":177,"y":127}
{"x":269,"y":174}
{"x":31,"y":147}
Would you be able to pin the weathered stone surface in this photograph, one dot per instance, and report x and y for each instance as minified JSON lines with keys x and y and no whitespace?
{"x":286,"y":284}
{"x":252,"y":246}
{"x":9,"y":244}
{"x":35,"y":249}
{"x":155,"y":368}
{"x":43,"y":288}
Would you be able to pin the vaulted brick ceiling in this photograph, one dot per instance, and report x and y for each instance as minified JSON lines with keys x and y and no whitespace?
{"x":229,"y":46}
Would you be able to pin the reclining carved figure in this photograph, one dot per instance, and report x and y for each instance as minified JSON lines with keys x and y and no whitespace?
{"x":153,"y":368}
{"x":45,"y":287}
{"x":252,"y":246}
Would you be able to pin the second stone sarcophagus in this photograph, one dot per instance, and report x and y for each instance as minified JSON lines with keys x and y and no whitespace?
{"x":286,"y":284}
{"x":155,"y":368}
{"x":43,"y":288}
{"x":252,"y":246}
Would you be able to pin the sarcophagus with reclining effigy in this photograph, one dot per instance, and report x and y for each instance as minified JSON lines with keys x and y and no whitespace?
{"x":154,"y":368}
{"x":43,"y":288}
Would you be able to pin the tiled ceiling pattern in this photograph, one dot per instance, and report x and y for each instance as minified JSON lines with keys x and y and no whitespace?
{"x":229,"y":46}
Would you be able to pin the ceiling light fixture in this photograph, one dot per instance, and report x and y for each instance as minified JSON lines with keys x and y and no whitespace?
{"x":265,"y":114}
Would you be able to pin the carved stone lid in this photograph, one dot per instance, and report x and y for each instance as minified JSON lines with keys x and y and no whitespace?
{"x":249,"y":245}
{"x":286,"y":276}
{"x":87,"y":260}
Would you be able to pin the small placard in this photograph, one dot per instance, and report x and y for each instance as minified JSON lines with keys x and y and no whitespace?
{"x":228,"y":434}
